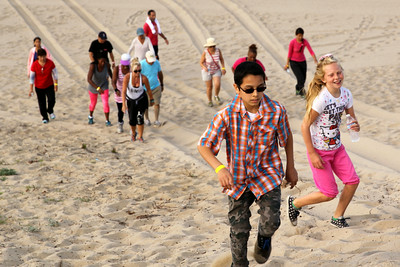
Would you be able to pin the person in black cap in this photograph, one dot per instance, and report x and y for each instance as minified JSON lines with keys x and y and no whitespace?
{"x":100,"y":48}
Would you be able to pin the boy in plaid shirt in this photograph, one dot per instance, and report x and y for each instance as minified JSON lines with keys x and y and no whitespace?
{"x":252,"y":125}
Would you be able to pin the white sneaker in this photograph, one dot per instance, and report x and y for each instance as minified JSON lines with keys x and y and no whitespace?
{"x":157,"y":124}
{"x":147,"y":122}
{"x":52,"y":116}
{"x":120,"y":128}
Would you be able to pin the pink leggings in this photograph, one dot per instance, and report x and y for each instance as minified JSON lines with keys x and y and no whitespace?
{"x":104,"y":99}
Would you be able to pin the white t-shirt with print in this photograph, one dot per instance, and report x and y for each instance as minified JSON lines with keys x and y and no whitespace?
{"x":325,"y":132}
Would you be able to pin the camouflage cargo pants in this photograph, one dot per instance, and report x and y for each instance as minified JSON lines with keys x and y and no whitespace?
{"x":239,"y":220}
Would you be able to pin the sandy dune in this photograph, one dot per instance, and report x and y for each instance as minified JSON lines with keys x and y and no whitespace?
{"x":87,"y":196}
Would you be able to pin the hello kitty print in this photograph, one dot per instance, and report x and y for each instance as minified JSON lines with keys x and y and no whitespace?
{"x":325,"y":131}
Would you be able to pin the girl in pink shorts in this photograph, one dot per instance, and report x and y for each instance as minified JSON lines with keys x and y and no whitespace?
{"x":326,"y":102}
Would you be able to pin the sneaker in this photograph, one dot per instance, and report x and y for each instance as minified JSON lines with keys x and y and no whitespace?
{"x":52,"y":116}
{"x":108,"y":123}
{"x":157,"y":124}
{"x":339,"y":222}
{"x":217,"y":100}
{"x":262,"y":249}
{"x":133,"y":138}
{"x":147,"y":122}
{"x":90,"y":120}
{"x":45,"y":121}
{"x":141,"y":139}
{"x":210,"y":104}
{"x":120,"y":128}
{"x":292,"y":212}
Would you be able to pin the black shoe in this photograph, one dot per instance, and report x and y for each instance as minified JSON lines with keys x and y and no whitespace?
{"x":291,"y":211}
{"x":262,"y":249}
{"x":339,"y":222}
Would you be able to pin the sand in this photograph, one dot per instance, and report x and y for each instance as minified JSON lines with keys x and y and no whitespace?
{"x":87,"y":196}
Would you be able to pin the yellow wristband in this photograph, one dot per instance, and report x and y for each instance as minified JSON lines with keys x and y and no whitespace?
{"x":98,"y":88}
{"x":223,"y":68}
{"x":220,"y":167}
{"x":55,"y":84}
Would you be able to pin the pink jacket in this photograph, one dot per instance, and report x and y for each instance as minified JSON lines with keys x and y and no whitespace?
{"x":296,"y":50}
{"x":31,"y":56}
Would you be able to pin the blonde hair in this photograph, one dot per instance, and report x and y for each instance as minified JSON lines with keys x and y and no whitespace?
{"x":134,"y":63}
{"x":315,"y":86}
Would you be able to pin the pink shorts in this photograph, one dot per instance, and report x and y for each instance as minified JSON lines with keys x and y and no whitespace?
{"x":336,"y":161}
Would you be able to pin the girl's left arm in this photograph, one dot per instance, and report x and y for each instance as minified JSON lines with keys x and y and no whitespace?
{"x":221,"y":59}
{"x":55,"y":78}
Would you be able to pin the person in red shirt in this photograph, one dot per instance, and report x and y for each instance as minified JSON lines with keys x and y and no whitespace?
{"x":45,"y":77}
{"x":152,"y":29}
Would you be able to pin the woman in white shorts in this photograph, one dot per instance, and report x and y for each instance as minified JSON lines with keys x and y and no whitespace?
{"x":213,"y":66}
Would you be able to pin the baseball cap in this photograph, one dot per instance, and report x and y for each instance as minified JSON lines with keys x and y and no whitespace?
{"x":139,"y":31}
{"x":103,"y":35}
{"x":125,"y":59}
{"x":150,"y":56}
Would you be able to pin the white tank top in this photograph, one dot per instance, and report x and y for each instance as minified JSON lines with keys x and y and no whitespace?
{"x":134,"y":92}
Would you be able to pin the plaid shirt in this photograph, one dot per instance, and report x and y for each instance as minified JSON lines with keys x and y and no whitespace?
{"x":251,"y":147}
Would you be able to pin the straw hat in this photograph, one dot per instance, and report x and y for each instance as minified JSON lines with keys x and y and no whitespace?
{"x":210,"y":42}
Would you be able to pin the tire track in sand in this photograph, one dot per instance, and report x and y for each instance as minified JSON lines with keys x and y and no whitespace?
{"x":58,"y":52}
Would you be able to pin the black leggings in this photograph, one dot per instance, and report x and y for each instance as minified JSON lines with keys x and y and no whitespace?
{"x":120,"y":113}
{"x":300,"y":71}
{"x":136,"y":109}
{"x":46,"y":100}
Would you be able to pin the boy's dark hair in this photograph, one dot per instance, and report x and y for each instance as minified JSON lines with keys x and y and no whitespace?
{"x":247,"y":68}
{"x":41,"y":52}
{"x":299,"y":30}
{"x":149,"y":12}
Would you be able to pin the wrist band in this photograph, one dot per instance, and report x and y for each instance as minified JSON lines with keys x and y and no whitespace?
{"x":220,"y":167}
{"x":56,"y":84}
{"x":98,"y":88}
{"x":151,"y":100}
{"x":223,"y":68}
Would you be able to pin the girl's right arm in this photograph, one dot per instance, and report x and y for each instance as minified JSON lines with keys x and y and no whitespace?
{"x":202,"y":60}
{"x":315,"y":158}
{"x":90,"y":75}
{"x":115,"y":77}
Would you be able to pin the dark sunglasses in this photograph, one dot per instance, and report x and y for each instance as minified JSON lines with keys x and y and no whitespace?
{"x":251,"y":90}
{"x":136,"y":71}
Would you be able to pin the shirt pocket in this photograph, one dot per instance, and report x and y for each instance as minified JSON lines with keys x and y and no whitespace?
{"x":266,"y":135}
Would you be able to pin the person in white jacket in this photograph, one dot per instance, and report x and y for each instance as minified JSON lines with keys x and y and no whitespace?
{"x":141,"y":44}
{"x":37,"y":44}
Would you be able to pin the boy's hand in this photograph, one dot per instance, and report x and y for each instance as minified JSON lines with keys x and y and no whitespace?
{"x":291,"y":177}
{"x":225,"y":178}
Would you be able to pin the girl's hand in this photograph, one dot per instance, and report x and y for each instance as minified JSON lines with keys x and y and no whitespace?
{"x":30,"y":93}
{"x":316,"y":160}
{"x":355,"y":126}
{"x":223,"y":71}
{"x":101,"y":91}
{"x":123,"y":108}
{"x":225,"y":178}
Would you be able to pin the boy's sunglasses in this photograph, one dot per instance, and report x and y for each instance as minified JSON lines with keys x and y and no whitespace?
{"x":251,"y":90}
{"x":136,"y":71}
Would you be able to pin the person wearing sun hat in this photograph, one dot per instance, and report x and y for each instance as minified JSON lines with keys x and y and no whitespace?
{"x":117,"y":79}
{"x":212,"y":68}
{"x":140,"y":45}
